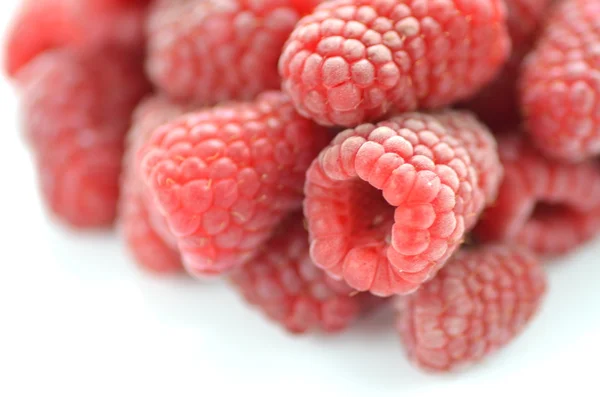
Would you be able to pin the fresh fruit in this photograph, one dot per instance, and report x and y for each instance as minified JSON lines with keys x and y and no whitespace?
{"x":548,"y":206}
{"x":481,"y":300}
{"x":284,"y":283}
{"x":76,"y":107}
{"x":225,"y":177}
{"x":352,"y":61}
{"x":388,"y":204}
{"x":560,"y":85}
{"x":209,"y":51}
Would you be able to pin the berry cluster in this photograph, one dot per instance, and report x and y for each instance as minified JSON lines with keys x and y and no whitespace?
{"x":212,"y":133}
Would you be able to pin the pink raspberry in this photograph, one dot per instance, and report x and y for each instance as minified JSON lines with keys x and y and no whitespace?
{"x":208,"y":51}
{"x":43,"y":25}
{"x":482,"y":148}
{"x":352,"y":61}
{"x":145,"y":232}
{"x":481,"y":300}
{"x":391,"y":241}
{"x":548,"y":206}
{"x":225,"y":177}
{"x":76,"y":106}
{"x":284,"y":283}
{"x":560,"y":86}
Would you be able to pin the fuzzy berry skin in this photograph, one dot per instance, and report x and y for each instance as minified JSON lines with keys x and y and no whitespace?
{"x":481,"y":146}
{"x":42,"y":25}
{"x":352,"y":61}
{"x":145,"y":232}
{"x":548,"y":206}
{"x":388,"y":204}
{"x":560,"y":86}
{"x":209,"y":51}
{"x":76,"y":106}
{"x":285,"y":284}
{"x":225,"y":177}
{"x":480,"y":301}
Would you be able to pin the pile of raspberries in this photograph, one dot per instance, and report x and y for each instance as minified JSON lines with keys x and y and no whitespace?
{"x":323,"y":155}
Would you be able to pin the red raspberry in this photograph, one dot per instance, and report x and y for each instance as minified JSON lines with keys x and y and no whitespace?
{"x":208,"y":51}
{"x":560,"y":86}
{"x":392,"y":241}
{"x":42,"y":25}
{"x":145,"y":231}
{"x":225,"y":177}
{"x":482,"y":148}
{"x":549,"y":206}
{"x":76,"y":106}
{"x":479,"y":302}
{"x":291,"y":290}
{"x":353,"y":60}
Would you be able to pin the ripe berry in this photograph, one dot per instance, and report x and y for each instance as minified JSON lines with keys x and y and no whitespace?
{"x":76,"y":106}
{"x":291,"y":290}
{"x":209,"y":51}
{"x":388,"y":204}
{"x":560,"y":86}
{"x":481,"y":300}
{"x":225,"y":177}
{"x":352,"y":61}
{"x":548,"y":206}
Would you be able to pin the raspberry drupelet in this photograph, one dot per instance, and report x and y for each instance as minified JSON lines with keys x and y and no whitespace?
{"x":481,"y":300}
{"x":548,"y":206}
{"x":225,"y":177}
{"x":285,"y":284}
{"x":388,"y":204}
{"x":209,"y":51}
{"x":76,"y":107}
{"x":352,"y":61}
{"x":43,"y":25}
{"x":145,"y":232}
{"x":560,"y":84}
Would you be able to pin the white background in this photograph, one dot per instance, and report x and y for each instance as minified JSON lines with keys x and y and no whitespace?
{"x":79,"y":319}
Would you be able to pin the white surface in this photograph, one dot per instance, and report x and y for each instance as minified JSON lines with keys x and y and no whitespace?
{"x":79,"y":319}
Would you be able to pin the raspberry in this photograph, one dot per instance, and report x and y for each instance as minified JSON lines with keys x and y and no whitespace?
{"x":479,"y":302}
{"x":548,"y":206}
{"x":352,"y":61}
{"x":225,"y":177}
{"x":291,"y":290}
{"x":560,"y":86}
{"x":208,"y":51}
{"x":43,"y":25}
{"x":392,"y":241}
{"x":482,"y":148}
{"x":76,"y":106}
{"x":145,"y":231}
